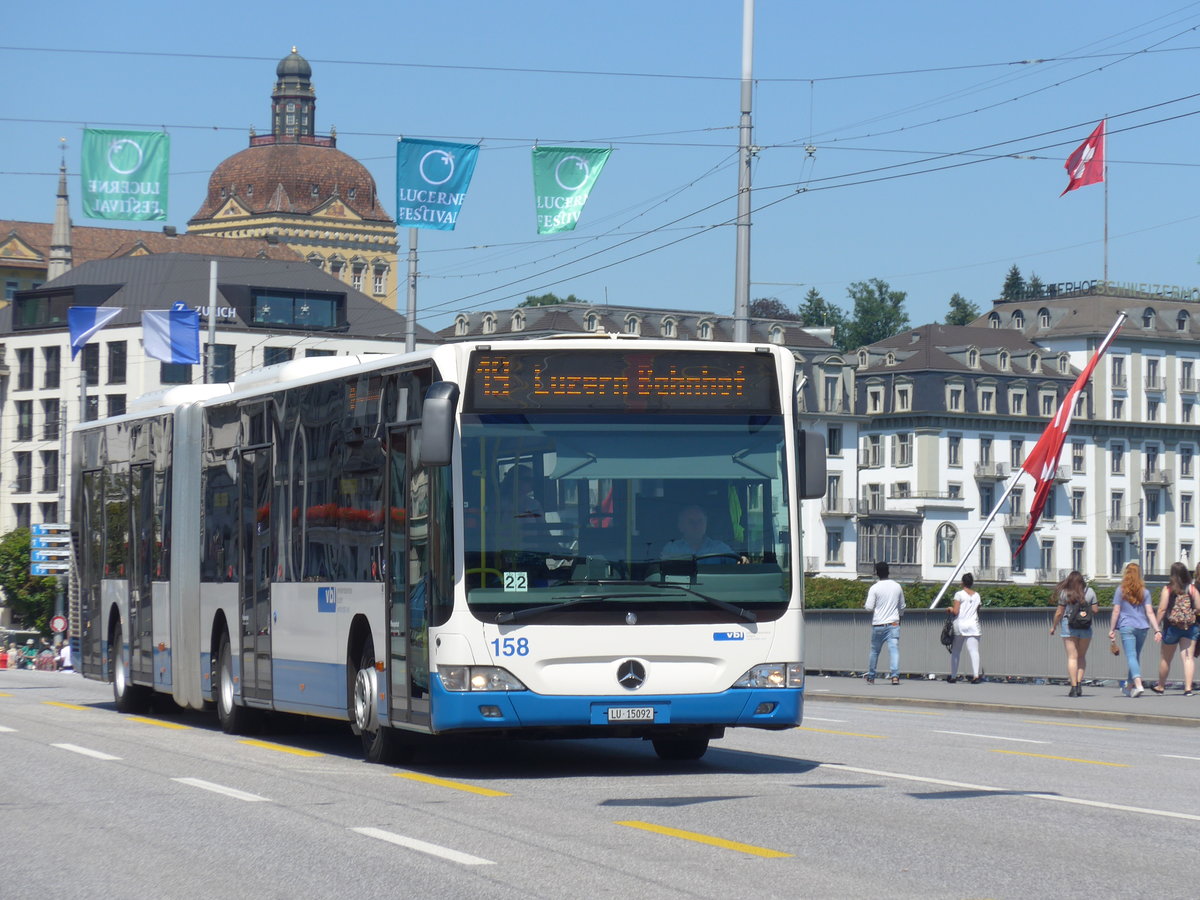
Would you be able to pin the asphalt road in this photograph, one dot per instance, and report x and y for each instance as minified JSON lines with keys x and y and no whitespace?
{"x":882,"y":799}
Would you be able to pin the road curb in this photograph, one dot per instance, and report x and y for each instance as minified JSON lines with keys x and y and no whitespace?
{"x":1017,"y":709}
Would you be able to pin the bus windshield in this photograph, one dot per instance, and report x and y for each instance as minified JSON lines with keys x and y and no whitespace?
{"x":680,"y":516}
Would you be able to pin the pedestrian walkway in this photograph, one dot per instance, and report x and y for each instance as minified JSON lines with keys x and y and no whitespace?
{"x":1101,"y":702}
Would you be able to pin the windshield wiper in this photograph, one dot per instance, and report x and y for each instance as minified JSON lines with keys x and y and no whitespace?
{"x":528,"y":612}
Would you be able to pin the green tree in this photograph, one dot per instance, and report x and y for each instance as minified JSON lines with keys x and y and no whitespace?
{"x":962,"y":310}
{"x":549,"y":300}
{"x":30,"y":598}
{"x":772,"y":308}
{"x":817,"y":312}
{"x":1014,"y":285}
{"x":1034,"y":289}
{"x":878,"y":314}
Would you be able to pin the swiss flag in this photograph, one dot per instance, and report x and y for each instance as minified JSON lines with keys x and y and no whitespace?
{"x":1043,"y":458}
{"x":1086,"y":164}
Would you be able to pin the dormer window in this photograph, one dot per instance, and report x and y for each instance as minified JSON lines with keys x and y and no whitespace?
{"x":1147,"y":318}
{"x":1004,"y":361}
{"x":518,"y":321}
{"x":776,"y":334}
{"x":1181,"y":320}
{"x":461,"y":326}
{"x":705,"y":331}
{"x":891,"y":358}
{"x":994,"y":320}
{"x":350,"y":194}
{"x":590,"y":321}
{"x":489,"y":324}
{"x":668,"y":328}
{"x":863,"y":359}
{"x":1018,"y":320}
{"x":315,"y":190}
{"x":249,"y":190}
{"x":633,"y":325}
{"x":1044,"y":317}
{"x":1035,"y":362}
{"x":973,"y":358}
{"x":1064,"y":364}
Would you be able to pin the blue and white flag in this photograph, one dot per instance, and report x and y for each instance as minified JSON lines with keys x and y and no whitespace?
{"x":172,"y":335}
{"x":85,"y":321}
{"x":432,"y":178}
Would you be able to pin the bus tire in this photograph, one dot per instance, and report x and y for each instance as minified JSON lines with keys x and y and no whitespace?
{"x":680,"y":749}
{"x":234,"y":719}
{"x":381,"y":743}
{"x":128,"y":697}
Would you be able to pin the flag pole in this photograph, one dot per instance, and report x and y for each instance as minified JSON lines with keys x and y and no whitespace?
{"x":1105,"y":174}
{"x":962,"y":562}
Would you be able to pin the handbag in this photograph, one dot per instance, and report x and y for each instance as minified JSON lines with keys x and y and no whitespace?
{"x":948,"y":633}
{"x":1114,"y":647}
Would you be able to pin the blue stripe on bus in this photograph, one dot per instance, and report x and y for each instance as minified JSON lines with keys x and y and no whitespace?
{"x":454,"y":710}
{"x":309,"y":686}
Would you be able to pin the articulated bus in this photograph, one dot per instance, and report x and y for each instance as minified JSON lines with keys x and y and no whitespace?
{"x":574,"y":537}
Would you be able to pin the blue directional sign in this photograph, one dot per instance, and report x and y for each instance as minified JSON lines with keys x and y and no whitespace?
{"x":50,"y":540}
{"x":63,"y":553}
{"x":50,"y":568}
{"x":50,"y":528}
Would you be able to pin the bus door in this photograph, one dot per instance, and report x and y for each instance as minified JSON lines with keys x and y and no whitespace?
{"x":91,"y":571}
{"x":254,"y":590}
{"x":141,"y":593}
{"x":407,"y":584}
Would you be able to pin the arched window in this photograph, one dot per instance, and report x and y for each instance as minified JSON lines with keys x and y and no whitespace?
{"x":776,"y":335}
{"x":1035,"y":362}
{"x":1004,"y":361}
{"x":633,"y":325}
{"x":705,"y":331}
{"x":891,"y":358}
{"x":1181,"y":320}
{"x":489,"y":323}
{"x":1044,"y":317}
{"x":1147,"y":317}
{"x":668,"y":328}
{"x":947,"y":540}
{"x":863,"y":359}
{"x":1064,"y":364}
{"x":1018,"y":319}
{"x":973,"y":358}
{"x":461,"y":325}
{"x":518,"y":321}
{"x":590,"y":321}
{"x":994,"y":320}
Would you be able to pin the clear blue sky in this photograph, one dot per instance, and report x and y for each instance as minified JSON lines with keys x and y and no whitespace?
{"x":930,"y":96}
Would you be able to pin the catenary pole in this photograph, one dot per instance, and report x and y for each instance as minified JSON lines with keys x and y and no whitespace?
{"x":210,"y":358}
{"x":741,"y":289}
{"x":410,"y":322}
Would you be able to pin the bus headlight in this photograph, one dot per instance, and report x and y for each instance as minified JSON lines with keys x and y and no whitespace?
{"x":479,"y":678}
{"x":773,"y":675}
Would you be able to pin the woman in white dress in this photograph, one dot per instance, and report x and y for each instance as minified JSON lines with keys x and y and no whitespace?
{"x":965,"y":610}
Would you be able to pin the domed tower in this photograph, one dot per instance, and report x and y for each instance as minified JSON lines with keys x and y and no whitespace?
{"x":295,"y":185}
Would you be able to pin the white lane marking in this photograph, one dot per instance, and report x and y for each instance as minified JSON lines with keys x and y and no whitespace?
{"x":433,"y":849}
{"x":75,"y":748}
{"x":1034,"y":795}
{"x":816,"y":719}
{"x":6,"y":729}
{"x":990,"y":737}
{"x":1173,"y":756}
{"x":221,"y":789}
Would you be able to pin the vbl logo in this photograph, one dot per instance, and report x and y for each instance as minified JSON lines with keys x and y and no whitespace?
{"x":729,"y":635}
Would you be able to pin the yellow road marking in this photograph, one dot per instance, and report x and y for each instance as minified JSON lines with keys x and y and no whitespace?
{"x":267,"y":745}
{"x":878,"y":737}
{"x":1090,"y":762}
{"x":63,"y":705}
{"x":5,"y":695}
{"x":706,"y":839}
{"x":158,"y":722}
{"x":1074,"y":725}
{"x":455,"y":785}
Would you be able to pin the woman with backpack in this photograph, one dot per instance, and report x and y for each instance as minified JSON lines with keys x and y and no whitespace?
{"x":1133,"y":617}
{"x":1075,"y":609}
{"x":1177,"y":611}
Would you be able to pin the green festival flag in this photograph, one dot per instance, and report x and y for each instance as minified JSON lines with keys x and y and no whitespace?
{"x":562,"y":179}
{"x":125,"y":174}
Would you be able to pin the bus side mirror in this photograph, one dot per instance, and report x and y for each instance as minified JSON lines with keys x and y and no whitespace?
{"x":437,"y":423}
{"x":810,"y":452}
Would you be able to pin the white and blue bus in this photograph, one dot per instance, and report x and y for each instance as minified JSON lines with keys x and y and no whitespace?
{"x":576,"y":537}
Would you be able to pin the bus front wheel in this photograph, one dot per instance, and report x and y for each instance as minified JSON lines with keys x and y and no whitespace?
{"x":381,"y":744}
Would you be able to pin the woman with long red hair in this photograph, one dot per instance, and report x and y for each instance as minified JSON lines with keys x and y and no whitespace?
{"x":1133,"y":618}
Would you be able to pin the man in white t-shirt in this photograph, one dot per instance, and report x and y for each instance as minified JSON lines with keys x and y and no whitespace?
{"x":885,"y":599}
{"x":694,"y":540}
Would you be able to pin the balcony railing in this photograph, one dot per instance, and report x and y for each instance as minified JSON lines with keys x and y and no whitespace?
{"x":1122,"y":523}
{"x":1062,"y":473}
{"x":1187,"y":385}
{"x":1018,"y":522}
{"x":1155,"y":383}
{"x":1051,"y":576}
{"x":996,"y":470}
{"x":839,"y":507}
{"x":1160,"y":477}
{"x":1119,"y":381}
{"x":992,"y":574}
